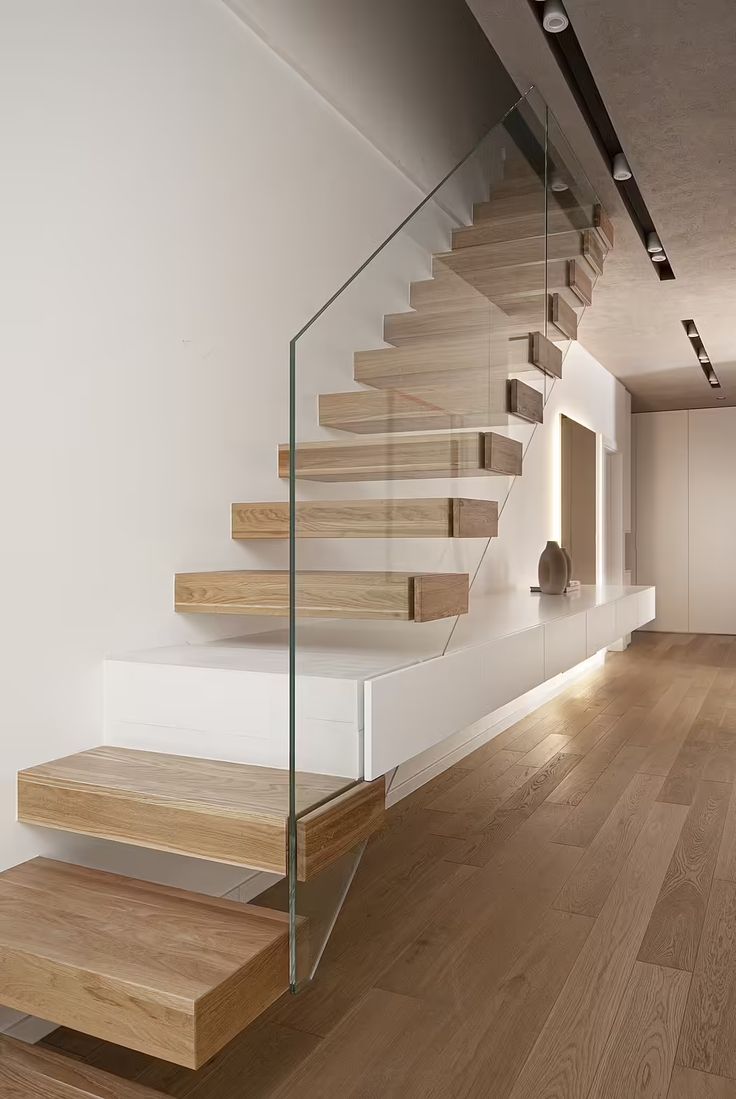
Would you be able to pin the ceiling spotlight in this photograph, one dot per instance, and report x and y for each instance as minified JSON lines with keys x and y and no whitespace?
{"x":658,"y":257}
{"x":720,"y":396}
{"x":621,"y":170}
{"x":556,"y":181}
{"x":654,"y":244}
{"x":703,"y":357}
{"x":555,"y":17}
{"x":691,"y":330}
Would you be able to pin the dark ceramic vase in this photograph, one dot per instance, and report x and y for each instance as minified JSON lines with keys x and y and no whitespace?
{"x":553,"y":572}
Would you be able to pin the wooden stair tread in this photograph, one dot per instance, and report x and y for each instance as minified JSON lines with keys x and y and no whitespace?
{"x":479,"y":402}
{"x":414,"y":597}
{"x":225,"y":812}
{"x":473,"y":453}
{"x":444,"y":517}
{"x":35,"y":1072}
{"x":528,"y":251}
{"x":172,"y":974}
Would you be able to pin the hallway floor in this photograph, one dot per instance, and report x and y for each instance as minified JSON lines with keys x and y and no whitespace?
{"x":552,"y":918}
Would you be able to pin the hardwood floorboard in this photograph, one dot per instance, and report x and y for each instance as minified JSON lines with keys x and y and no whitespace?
{"x":565,"y":1057}
{"x":708,"y":1040}
{"x":587,"y":818}
{"x":592,"y":880}
{"x":516,"y":809}
{"x":687,"y":1083}
{"x":673,"y":935}
{"x":640,"y":1051}
{"x":726,"y":864}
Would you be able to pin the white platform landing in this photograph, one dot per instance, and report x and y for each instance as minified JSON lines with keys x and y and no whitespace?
{"x":367,"y":700}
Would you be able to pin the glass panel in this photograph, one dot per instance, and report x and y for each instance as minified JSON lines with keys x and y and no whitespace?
{"x":414,"y":393}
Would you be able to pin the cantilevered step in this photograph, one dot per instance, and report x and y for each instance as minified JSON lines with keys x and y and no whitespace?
{"x":432,"y":408}
{"x":209,"y":809}
{"x":169,"y":973}
{"x":477,"y":255}
{"x":446,"y":517}
{"x":35,"y":1072}
{"x":413,"y":597}
{"x":463,"y":361}
{"x":462,"y":454}
{"x":487,"y":229}
{"x":497,"y":282}
{"x":448,"y":290}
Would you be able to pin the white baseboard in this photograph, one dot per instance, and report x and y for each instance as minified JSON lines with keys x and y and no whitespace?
{"x":421,"y":771}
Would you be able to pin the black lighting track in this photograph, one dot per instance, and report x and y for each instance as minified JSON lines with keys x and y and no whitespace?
{"x":691,"y":331}
{"x":574,"y":67}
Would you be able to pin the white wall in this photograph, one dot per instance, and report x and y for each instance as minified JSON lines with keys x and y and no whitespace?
{"x":176,"y":201}
{"x":418,"y":77}
{"x":685,"y":522}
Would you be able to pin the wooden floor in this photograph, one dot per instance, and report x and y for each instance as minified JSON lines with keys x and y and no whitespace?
{"x":553,"y":918}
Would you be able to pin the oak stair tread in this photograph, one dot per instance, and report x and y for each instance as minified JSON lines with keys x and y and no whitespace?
{"x":407,"y":596}
{"x":232,"y":813}
{"x":440,"y":517}
{"x":455,"y":360}
{"x":35,"y":1072}
{"x":169,"y":973}
{"x":482,"y":402}
{"x":378,"y":457}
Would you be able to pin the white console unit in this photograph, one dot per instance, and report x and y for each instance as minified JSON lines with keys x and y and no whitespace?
{"x":364,"y":702}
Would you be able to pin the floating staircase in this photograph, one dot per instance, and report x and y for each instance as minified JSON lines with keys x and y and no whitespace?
{"x":175,"y":974}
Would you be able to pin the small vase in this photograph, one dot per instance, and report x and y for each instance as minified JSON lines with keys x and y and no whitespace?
{"x":553,"y":574}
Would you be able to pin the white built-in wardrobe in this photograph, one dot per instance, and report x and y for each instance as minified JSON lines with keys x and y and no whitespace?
{"x":685,"y":516}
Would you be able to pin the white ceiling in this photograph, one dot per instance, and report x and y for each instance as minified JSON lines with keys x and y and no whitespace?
{"x":667,"y":72}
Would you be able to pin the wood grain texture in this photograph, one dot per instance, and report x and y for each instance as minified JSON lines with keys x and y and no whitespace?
{"x":604,"y":226}
{"x":726,"y":864}
{"x":638,"y":1058}
{"x":588,"y":887}
{"x":467,"y":399}
{"x":33,"y":1072}
{"x":489,"y":230}
{"x":545,"y":354}
{"x":466,"y":261}
{"x":373,"y":595}
{"x":566,"y":1055}
{"x":687,"y":1083}
{"x":580,"y":282}
{"x":525,"y":402}
{"x":173,"y":974}
{"x":225,"y":812}
{"x":674,"y":930}
{"x":594,"y":251}
{"x":708,"y":1039}
{"x":326,"y":833}
{"x":563,"y":316}
{"x":463,"y":454}
{"x":444,"y":517}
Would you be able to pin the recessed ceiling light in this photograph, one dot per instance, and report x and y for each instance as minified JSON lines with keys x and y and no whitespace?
{"x":654,"y":244}
{"x":621,"y":169}
{"x":658,"y":257}
{"x":720,"y":396}
{"x":555,"y":18}
{"x":703,"y":357}
{"x":556,"y":182}
{"x":691,"y":330}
